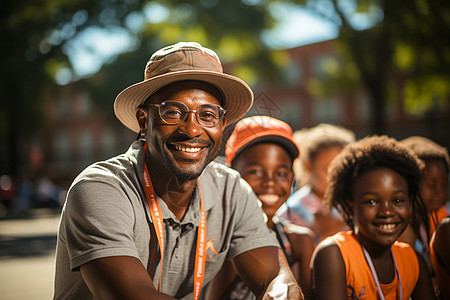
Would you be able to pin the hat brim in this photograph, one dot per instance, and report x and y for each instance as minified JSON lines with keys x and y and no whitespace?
{"x":237,"y":94}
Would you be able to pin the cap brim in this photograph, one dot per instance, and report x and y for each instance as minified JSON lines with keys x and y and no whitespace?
{"x":238,"y":95}
{"x":270,"y":137}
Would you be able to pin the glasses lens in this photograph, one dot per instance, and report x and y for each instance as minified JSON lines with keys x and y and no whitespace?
{"x":172,"y":112}
{"x":209,"y":115}
{"x":175,"y":112}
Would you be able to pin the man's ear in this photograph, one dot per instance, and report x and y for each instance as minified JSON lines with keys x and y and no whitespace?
{"x":224,"y":122}
{"x":141,"y":116}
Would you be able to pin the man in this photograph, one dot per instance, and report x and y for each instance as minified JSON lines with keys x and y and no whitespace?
{"x":158,"y":221}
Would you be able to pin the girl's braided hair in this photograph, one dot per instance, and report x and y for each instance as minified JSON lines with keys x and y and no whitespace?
{"x":366,"y":155}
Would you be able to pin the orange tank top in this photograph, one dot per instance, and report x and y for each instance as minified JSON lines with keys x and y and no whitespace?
{"x":437,"y":217}
{"x":443,"y":277}
{"x":360,"y":283}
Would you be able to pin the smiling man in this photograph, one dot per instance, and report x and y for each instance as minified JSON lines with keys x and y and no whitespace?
{"x":158,"y":221}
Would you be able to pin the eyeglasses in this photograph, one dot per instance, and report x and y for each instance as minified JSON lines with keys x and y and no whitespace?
{"x":174,"y":112}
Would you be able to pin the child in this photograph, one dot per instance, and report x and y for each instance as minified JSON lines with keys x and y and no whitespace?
{"x":261,"y":149}
{"x":434,"y":186}
{"x":439,"y":249}
{"x":433,"y":190}
{"x":375,"y":185}
{"x":320,"y":145}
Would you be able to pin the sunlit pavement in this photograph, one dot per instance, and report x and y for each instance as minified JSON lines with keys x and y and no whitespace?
{"x":27,"y":256}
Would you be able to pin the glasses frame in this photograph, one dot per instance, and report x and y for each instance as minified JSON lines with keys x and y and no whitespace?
{"x":222,"y":113}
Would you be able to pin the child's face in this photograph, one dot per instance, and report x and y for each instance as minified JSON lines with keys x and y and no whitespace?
{"x":268,"y":169}
{"x":318,"y":168}
{"x":381,"y":206}
{"x":434,"y":186}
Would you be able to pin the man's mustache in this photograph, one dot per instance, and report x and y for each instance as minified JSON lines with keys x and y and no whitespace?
{"x":182,"y":139}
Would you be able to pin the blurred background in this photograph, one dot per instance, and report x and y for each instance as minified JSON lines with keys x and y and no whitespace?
{"x":373,"y":66}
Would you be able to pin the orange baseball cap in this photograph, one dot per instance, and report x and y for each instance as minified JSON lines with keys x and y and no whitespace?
{"x":257,"y":129}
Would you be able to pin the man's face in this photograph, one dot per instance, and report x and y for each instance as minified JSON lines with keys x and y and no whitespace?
{"x":186,"y":148}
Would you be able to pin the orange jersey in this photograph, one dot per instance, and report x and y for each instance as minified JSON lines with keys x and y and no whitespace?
{"x":360,"y":283}
{"x":442,"y":275}
{"x":439,"y":215}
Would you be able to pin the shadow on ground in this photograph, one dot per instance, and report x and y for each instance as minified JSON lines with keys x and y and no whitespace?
{"x":22,"y":247}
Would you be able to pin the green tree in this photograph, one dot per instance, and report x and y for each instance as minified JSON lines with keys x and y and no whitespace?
{"x":38,"y":37}
{"x":407,"y":40}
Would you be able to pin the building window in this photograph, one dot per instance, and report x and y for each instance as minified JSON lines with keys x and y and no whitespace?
{"x":62,"y":149}
{"x":292,"y":74}
{"x":291,"y":112}
{"x":325,"y":66}
{"x":108,"y":143}
{"x":63,"y":108}
{"x":86,"y":146}
{"x":84,"y":105}
{"x":363,"y":108}
{"x":327,"y":110}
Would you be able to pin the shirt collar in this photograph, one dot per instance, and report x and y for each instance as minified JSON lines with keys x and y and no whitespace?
{"x":136,"y":155}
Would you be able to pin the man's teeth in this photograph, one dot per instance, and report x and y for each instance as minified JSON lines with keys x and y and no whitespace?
{"x":187,"y":149}
{"x":387,"y":226}
{"x":268,"y":198}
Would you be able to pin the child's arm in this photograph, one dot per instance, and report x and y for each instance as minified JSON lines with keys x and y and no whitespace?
{"x":328,"y":272}
{"x":424,"y":287}
{"x":441,"y":247}
{"x":302,"y":244}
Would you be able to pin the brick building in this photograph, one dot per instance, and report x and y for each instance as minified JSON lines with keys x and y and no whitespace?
{"x":77,"y":132}
{"x":293,"y":103}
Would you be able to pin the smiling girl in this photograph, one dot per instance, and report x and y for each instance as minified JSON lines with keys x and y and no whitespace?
{"x":375,"y":185}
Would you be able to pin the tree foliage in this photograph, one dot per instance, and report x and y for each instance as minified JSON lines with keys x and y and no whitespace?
{"x":406,"y":39}
{"x":40,"y":35}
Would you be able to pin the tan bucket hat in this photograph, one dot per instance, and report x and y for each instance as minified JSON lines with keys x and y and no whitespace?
{"x":184,"y":61}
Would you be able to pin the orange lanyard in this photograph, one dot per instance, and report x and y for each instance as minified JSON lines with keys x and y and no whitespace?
{"x":157,"y":219}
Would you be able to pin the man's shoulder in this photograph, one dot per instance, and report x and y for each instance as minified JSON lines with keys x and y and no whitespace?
{"x":120,"y":167}
{"x":107,"y":167}
{"x":220,"y":181}
{"x":219,"y":177}
{"x":220,"y":171}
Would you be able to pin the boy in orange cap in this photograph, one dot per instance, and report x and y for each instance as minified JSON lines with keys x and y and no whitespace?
{"x":262,"y":150}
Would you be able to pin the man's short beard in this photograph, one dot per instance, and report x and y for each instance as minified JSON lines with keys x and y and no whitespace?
{"x":184,"y":175}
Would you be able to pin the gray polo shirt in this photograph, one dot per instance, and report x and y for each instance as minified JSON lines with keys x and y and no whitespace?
{"x":105,"y":214}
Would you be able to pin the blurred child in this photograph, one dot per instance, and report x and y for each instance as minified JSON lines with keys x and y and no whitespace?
{"x":434,"y":186}
{"x":262,"y":150}
{"x":440,"y":249}
{"x":320,"y":145}
{"x":375,"y":185}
